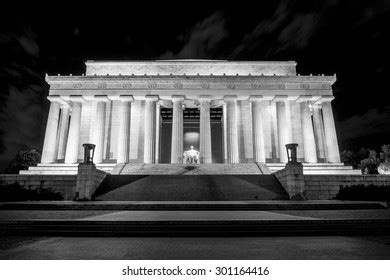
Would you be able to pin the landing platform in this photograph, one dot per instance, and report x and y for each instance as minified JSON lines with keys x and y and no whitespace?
{"x":194,"y":216}
{"x":198,"y":169}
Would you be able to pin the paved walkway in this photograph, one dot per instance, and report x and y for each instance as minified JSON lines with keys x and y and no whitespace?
{"x":193,"y":216}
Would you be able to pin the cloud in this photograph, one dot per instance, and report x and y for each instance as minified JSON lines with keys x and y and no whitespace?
{"x":289,"y":28}
{"x":29,"y":44}
{"x":297,"y":33}
{"x":203,"y":40}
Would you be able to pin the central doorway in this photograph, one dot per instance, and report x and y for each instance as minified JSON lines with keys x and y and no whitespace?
{"x":191,"y":117}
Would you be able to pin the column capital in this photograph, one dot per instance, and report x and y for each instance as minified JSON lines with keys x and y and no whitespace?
{"x":165,"y":103}
{"x":101,"y":98}
{"x":230,"y":97}
{"x":126,"y":98}
{"x":75,"y":98}
{"x":324,"y":98}
{"x":178,"y":98}
{"x":151,"y":97}
{"x":304,"y":98}
{"x":64,"y":105}
{"x":55,"y":98}
{"x":254,"y":98}
{"x":280,"y":98}
{"x":316,"y":106}
{"x":206,"y":98}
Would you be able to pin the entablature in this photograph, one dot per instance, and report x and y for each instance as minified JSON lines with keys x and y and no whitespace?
{"x":205,"y":83}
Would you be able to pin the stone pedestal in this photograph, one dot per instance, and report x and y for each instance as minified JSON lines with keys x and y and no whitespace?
{"x":291,"y":178}
{"x":88,"y":180}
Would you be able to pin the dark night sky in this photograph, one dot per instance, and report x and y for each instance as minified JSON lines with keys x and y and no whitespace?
{"x":349,"y":38}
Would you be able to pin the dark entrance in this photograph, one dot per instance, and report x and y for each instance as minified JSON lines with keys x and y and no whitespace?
{"x":191,"y":118}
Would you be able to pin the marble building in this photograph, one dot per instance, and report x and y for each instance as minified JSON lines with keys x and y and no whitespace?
{"x":152,"y":111}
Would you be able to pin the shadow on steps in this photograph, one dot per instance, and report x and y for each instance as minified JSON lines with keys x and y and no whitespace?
{"x":190,"y":188}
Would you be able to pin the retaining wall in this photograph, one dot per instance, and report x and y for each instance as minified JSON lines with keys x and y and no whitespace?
{"x":327,"y":186}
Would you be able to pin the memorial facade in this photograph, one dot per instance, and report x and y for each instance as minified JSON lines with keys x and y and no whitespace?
{"x":155,"y":111}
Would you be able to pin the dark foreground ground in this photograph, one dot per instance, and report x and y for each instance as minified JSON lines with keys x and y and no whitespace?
{"x":256,"y":247}
{"x":306,"y":247}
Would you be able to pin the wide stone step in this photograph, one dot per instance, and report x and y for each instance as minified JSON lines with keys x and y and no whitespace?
{"x":320,"y":168}
{"x":191,"y":205}
{"x":197,"y":169}
{"x":61,"y":169}
{"x":221,"y":227}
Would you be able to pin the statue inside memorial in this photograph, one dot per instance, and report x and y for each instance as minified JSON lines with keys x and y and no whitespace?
{"x":191,"y":156}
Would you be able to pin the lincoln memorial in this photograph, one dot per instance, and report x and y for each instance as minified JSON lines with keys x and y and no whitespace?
{"x":156,"y":112}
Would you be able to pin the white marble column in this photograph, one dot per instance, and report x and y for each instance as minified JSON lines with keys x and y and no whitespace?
{"x":158,"y":125}
{"x":124,"y":128}
{"x":309,"y":144}
{"x":205,"y":130}
{"x":49,"y":144}
{"x":257,"y":123}
{"x":224,"y":133}
{"x":63,"y":131}
{"x":282,"y":124}
{"x":177,"y":129}
{"x":99,"y":127}
{"x":319,"y":130}
{"x":332,"y":147}
{"x":150,"y":129}
{"x":231,"y":131}
{"x":72,"y":145}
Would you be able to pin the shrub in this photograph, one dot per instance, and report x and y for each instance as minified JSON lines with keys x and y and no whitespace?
{"x":364,"y":193}
{"x":23,"y":160}
{"x":15,"y":192}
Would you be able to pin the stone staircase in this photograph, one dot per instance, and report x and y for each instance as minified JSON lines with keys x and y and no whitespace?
{"x":190,"y":188}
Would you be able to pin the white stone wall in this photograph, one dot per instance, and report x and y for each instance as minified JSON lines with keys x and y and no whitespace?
{"x":191,"y":67}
